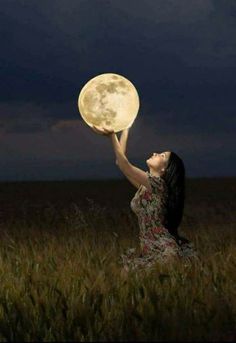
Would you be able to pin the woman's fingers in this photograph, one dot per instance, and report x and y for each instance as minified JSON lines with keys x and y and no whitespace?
{"x":97,"y":130}
{"x":93,"y":129}
{"x":108,"y":131}
{"x":103,"y":131}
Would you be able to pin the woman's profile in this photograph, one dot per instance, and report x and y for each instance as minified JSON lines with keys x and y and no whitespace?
{"x":158,"y":204}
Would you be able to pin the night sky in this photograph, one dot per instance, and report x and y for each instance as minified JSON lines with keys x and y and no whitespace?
{"x":180,"y":55}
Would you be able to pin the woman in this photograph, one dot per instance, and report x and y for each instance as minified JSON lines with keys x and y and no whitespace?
{"x":158,"y":204}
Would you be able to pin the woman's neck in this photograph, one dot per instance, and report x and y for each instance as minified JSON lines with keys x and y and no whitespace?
{"x":154,"y":172}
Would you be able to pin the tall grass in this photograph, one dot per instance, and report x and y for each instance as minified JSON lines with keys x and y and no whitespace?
{"x":61,"y":280}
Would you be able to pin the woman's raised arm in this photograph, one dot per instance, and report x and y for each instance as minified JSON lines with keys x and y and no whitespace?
{"x":123,"y":144}
{"x":123,"y":139}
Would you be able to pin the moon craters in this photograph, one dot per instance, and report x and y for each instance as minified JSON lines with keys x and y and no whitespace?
{"x":109,"y":100}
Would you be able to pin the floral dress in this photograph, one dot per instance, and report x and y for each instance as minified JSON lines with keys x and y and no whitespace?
{"x":156,"y":242}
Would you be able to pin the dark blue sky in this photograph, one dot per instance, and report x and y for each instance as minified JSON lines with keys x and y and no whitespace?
{"x":180,"y":55}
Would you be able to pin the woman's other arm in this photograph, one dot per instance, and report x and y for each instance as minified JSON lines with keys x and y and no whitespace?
{"x":123,"y":139}
{"x":123,"y":144}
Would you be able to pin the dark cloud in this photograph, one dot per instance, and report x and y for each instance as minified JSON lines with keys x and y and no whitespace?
{"x":51,"y":48}
{"x":181,"y":56}
{"x":23,"y":117}
{"x":226,"y":8}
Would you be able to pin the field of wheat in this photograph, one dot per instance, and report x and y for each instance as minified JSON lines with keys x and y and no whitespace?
{"x":60,"y":277}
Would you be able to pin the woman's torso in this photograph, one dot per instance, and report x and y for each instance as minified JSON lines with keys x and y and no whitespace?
{"x":149,"y":207}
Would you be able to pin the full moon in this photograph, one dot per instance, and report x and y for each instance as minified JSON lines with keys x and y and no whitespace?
{"x":109,"y":100}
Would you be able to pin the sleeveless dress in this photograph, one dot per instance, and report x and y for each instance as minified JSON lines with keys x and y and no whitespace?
{"x":156,"y":242}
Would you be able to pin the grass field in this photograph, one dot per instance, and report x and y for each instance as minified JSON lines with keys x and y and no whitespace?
{"x":60,"y":279}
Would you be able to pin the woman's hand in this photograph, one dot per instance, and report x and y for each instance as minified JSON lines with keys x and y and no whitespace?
{"x":104,"y":131}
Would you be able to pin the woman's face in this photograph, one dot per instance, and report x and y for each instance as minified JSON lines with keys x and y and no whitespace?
{"x":159,"y":161}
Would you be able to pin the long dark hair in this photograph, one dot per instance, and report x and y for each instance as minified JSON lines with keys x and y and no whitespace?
{"x":174,"y":177}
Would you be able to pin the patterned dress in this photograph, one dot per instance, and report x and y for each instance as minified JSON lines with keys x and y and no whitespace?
{"x":156,"y":242}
